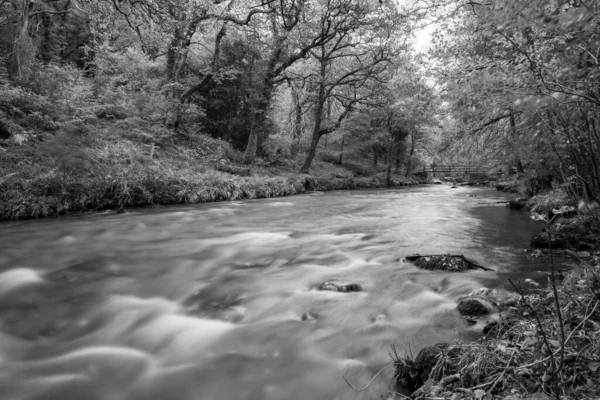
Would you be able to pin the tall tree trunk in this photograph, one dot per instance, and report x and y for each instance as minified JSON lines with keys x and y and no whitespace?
{"x":514,"y":136}
{"x":342,"y":150}
{"x":398,"y":158}
{"x":316,"y":134}
{"x":411,"y":154}
{"x":374,"y":157}
{"x":176,"y":59}
{"x":297,"y":132}
{"x":251,"y":147}
{"x":390,"y":156}
{"x":23,"y":51}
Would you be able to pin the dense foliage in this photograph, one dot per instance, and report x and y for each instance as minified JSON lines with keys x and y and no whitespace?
{"x":522,"y":81}
{"x":507,"y":87}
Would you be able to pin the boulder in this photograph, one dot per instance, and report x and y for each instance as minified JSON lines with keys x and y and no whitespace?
{"x":446,"y":262}
{"x":436,"y":181}
{"x":473,"y":307}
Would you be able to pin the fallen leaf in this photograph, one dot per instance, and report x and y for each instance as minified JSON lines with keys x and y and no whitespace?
{"x":546,"y":377}
{"x":529,"y":342}
{"x":593,"y":365}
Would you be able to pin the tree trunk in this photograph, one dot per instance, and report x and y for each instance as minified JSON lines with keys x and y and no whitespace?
{"x":316,"y":135}
{"x":213,"y":69}
{"x":310,"y":156}
{"x":297,"y":132}
{"x":400,"y":152}
{"x":342,"y":150}
{"x":251,"y":147}
{"x":178,"y":50}
{"x":374,"y":158}
{"x":23,"y":51}
{"x":514,"y":136}
{"x":390,"y":156}
{"x":411,"y":154}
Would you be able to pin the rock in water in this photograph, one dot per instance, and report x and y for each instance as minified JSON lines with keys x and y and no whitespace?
{"x":448,"y":263}
{"x":333,"y":287}
{"x":209,"y":305}
{"x":480,"y":292}
{"x":473,"y":307}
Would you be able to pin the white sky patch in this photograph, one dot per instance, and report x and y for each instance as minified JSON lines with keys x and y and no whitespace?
{"x":423,"y":37}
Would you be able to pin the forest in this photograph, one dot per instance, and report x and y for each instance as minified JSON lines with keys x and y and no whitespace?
{"x":111,"y":104}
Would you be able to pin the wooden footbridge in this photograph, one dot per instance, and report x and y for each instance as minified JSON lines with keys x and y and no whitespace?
{"x":455,"y":169}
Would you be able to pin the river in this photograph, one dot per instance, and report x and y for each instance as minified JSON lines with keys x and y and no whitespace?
{"x":218,"y":301}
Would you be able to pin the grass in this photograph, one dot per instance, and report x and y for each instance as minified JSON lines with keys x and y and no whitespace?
{"x":100,"y":165}
{"x":512,"y":362}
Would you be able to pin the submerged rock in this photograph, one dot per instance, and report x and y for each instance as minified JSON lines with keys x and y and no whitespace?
{"x":309,"y":316}
{"x":225,"y":308}
{"x":87,"y":271}
{"x":352,"y":287}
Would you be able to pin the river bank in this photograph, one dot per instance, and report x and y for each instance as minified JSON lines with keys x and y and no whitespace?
{"x":513,"y":361}
{"x":99,"y":166}
{"x":545,"y":344}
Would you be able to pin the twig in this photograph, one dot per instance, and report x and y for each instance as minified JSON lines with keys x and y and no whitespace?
{"x":581,"y":323}
{"x":503,"y":372}
{"x":553,"y":366}
{"x":482,"y":385}
{"x":372,"y":379}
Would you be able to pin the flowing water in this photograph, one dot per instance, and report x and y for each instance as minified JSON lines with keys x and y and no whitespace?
{"x":219,"y":301}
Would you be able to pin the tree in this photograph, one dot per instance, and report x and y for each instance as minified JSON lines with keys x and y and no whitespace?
{"x":24,"y":14}
{"x":526,"y":76}
{"x":349,"y":66}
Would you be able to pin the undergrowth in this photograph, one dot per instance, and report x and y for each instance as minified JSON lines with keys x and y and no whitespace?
{"x":513,"y":362}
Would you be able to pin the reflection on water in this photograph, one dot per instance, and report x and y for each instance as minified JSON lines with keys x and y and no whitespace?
{"x":218,"y":301}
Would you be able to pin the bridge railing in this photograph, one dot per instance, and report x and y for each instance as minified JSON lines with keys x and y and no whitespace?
{"x":455,"y":168}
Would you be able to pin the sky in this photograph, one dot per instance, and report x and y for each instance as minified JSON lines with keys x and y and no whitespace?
{"x":422,"y":40}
